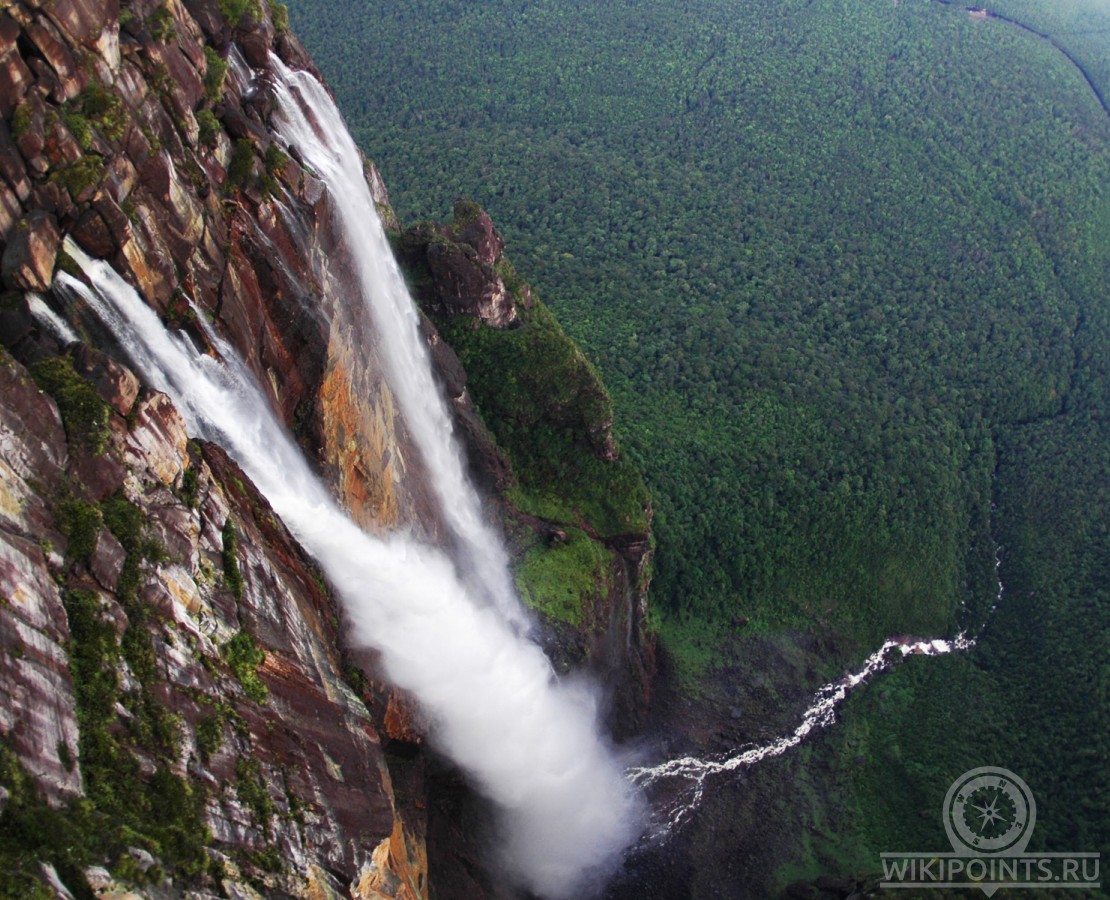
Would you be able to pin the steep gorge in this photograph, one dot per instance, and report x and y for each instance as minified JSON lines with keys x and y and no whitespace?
{"x":179,"y":699}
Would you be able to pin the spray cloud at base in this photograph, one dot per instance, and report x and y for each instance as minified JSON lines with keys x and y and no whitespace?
{"x":528,"y":741}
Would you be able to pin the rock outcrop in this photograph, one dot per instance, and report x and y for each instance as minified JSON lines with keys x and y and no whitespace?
{"x":530,"y":379}
{"x":464,"y":260}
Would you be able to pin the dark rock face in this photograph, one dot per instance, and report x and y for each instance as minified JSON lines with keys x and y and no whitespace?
{"x":463,"y":261}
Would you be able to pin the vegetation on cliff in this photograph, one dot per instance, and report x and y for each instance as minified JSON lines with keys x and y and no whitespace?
{"x":571,"y":493}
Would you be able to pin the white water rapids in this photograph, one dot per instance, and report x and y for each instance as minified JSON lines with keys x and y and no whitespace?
{"x":693,"y":772}
{"x":822,"y":712}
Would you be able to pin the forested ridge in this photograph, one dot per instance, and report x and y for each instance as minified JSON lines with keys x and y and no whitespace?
{"x":844,"y":268}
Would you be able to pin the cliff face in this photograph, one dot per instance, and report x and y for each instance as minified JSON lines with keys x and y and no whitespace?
{"x":175,"y":699}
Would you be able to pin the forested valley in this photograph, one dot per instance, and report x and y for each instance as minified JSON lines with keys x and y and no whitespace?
{"x":845,"y":269}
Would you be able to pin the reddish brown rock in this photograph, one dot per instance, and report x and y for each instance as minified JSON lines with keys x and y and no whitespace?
{"x":15,"y":77}
{"x":255,"y":42}
{"x":107,"y":560}
{"x":30,"y":135}
{"x":28,"y":261}
{"x":49,"y":43}
{"x":10,"y":210}
{"x":186,"y":87}
{"x":402,"y":720}
{"x":9,"y":34}
{"x":115,"y":219}
{"x":207,"y":15}
{"x":37,"y":709}
{"x":50,"y":197}
{"x":91,"y":232}
{"x":61,"y":148}
{"x":82,"y":21}
{"x":156,"y":442}
{"x":144,"y":257}
{"x":12,"y":169}
{"x":464,"y":284}
{"x":473,"y":226}
{"x":116,"y":384}
{"x":122,"y":177}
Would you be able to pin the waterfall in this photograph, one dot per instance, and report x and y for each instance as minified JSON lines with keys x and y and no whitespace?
{"x":528,"y":740}
{"x":306,"y":119}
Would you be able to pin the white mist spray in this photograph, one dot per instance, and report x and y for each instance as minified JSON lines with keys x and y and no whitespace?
{"x":306,"y":119}
{"x":529,"y":741}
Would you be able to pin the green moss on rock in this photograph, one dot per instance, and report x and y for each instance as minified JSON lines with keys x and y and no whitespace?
{"x":252,"y":791}
{"x":84,"y":414}
{"x":244,"y":657}
{"x":560,"y":578}
{"x":233,"y":576}
{"x":214,"y":75}
{"x":79,"y":521}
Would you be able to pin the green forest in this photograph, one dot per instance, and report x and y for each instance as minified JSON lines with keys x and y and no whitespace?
{"x":844,"y":268}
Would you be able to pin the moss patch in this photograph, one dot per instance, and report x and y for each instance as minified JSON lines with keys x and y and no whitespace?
{"x":236,"y":11}
{"x":233,"y":576}
{"x":244,"y":657}
{"x":214,"y":74}
{"x":279,"y":15}
{"x":164,"y":814}
{"x":209,"y":127}
{"x":84,"y":414}
{"x":79,"y":521}
{"x":547,"y":407}
{"x":252,"y":791}
{"x":32,"y":832}
{"x":239,"y":168}
{"x":561,"y":579}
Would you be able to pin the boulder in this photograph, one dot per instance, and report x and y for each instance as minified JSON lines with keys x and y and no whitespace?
{"x":49,"y":43}
{"x":106,"y":562}
{"x":117,"y":385}
{"x":466,"y":284}
{"x":15,"y":80}
{"x":28,"y":261}
{"x":473,"y":226}
{"x":12,"y":168}
{"x":82,"y":21}
{"x":30,"y":132}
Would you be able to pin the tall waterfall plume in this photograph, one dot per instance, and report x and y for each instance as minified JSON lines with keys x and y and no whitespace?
{"x":529,"y":741}
{"x":306,"y":119}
